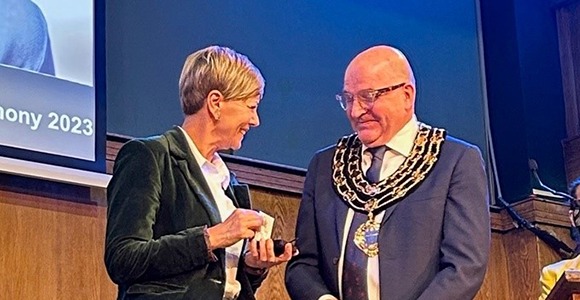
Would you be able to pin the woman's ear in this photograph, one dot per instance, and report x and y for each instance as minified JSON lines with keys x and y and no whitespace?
{"x":214,"y":102}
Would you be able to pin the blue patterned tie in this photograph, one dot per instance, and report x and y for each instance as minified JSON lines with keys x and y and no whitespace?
{"x":354,"y":275}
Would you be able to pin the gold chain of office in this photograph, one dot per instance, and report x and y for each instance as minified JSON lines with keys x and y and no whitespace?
{"x":367,"y":197}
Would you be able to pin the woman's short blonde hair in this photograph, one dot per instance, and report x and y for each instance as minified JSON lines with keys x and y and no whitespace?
{"x":217,"y":68}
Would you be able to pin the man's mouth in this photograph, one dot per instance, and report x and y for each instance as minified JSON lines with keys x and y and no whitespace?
{"x":364,"y":123}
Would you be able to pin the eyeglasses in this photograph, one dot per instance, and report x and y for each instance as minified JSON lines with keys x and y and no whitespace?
{"x":366,"y":97}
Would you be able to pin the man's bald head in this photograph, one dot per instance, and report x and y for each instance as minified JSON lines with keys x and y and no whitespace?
{"x":384,"y":61}
{"x":384,"y":73}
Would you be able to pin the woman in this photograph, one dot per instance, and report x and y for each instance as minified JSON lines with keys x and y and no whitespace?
{"x":178,"y":221}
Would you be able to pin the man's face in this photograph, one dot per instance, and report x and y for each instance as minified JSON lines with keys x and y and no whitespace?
{"x":390,"y":111}
{"x":577,"y":193}
{"x":237,"y":117}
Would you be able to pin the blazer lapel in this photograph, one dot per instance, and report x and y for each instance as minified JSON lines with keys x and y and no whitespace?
{"x":239,"y":193}
{"x":230,"y":193}
{"x":179,"y":148}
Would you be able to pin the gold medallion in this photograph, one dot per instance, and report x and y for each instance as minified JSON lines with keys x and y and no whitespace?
{"x":366,"y":237}
{"x":373,"y":197}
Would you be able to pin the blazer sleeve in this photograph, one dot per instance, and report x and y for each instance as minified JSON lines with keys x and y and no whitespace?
{"x":303,"y":279}
{"x":466,"y":232}
{"x":134,"y":197}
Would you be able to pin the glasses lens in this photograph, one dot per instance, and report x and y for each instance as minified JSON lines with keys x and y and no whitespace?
{"x":345,"y":100}
{"x":367,"y":96}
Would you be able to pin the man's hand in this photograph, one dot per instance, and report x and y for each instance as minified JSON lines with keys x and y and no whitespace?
{"x":241,"y":224}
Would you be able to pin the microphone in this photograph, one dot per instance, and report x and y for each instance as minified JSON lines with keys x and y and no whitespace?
{"x":533,"y":165}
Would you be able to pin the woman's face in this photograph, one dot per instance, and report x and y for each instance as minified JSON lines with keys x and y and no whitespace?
{"x":237,"y":117}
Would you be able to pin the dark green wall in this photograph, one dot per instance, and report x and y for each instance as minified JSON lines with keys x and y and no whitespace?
{"x":524,"y":92}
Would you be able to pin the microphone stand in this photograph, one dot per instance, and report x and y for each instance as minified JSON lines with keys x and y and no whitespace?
{"x":572,"y":202}
{"x":560,"y":247}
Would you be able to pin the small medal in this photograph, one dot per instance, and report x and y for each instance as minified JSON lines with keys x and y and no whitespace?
{"x":366,"y":236}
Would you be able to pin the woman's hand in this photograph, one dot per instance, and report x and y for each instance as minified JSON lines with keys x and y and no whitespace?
{"x":263,"y":257}
{"x":241,"y":224}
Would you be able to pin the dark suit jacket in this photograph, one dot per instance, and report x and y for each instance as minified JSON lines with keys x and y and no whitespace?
{"x":433,"y":244}
{"x":159,"y":204}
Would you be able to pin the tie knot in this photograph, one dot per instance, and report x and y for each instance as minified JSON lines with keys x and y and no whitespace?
{"x":374,"y":171}
{"x":378,"y":152}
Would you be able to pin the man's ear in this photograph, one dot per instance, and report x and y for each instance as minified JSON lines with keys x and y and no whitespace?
{"x":214,"y":102}
{"x":409,"y":91}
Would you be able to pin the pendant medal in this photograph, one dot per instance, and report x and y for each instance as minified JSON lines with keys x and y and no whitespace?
{"x":366,"y":236}
{"x":361,"y":195}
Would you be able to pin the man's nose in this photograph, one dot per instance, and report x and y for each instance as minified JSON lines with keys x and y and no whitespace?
{"x":357,"y":109}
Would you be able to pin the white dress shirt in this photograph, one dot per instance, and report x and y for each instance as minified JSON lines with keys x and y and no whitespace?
{"x":217,"y":176}
{"x":398,"y":149}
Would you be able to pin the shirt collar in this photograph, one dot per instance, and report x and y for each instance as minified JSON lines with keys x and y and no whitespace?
{"x":404,"y":139}
{"x":216,"y":163}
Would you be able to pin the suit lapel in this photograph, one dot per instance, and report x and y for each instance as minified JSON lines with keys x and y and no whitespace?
{"x":191,"y":171}
{"x":388,"y":212}
{"x":340,"y":211}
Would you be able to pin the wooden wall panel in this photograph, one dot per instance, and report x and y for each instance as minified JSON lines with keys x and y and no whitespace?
{"x":51,"y":249}
{"x":495,"y":284}
{"x":522,"y":264}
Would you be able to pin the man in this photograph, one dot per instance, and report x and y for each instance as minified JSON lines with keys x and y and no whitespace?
{"x":574,"y":188}
{"x":178,"y":221}
{"x":396,"y":211}
{"x":552,"y":273}
{"x":24,"y":38}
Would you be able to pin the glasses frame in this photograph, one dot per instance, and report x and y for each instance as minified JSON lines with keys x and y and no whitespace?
{"x":343,"y":100}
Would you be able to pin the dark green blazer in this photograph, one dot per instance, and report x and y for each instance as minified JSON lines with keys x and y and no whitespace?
{"x":158,"y":206}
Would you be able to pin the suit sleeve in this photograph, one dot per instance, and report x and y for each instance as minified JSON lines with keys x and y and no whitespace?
{"x":466,"y":233}
{"x":303,"y":279}
{"x":134,"y":197}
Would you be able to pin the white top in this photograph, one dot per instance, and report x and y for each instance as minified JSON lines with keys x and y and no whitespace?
{"x":217,"y":176}
{"x":398,"y":149}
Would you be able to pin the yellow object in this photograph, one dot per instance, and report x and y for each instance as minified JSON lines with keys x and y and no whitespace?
{"x":551,"y":274}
